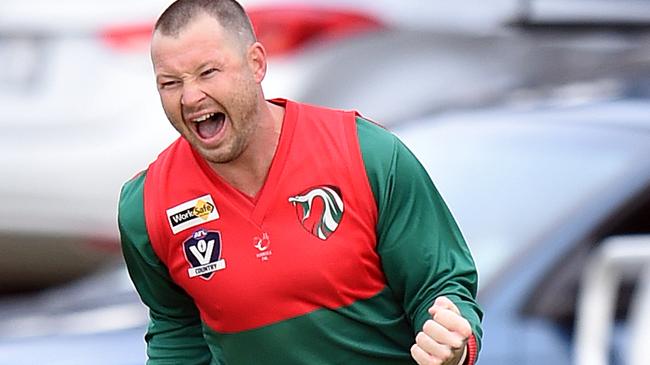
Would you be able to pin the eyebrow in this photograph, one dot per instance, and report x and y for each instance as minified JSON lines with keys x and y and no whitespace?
{"x":165,"y":75}
{"x":203,"y":65}
{"x":196,"y":70}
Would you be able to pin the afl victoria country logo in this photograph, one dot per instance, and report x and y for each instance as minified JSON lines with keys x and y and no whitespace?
{"x":203,"y":252}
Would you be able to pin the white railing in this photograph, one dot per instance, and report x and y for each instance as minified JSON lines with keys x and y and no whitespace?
{"x":614,"y":260}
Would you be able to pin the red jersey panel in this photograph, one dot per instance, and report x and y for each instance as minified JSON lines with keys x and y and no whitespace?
{"x":307,"y":242}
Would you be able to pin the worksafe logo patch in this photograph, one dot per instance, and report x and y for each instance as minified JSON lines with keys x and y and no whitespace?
{"x":192,"y":213}
{"x":203,"y":253}
{"x":319,"y":210}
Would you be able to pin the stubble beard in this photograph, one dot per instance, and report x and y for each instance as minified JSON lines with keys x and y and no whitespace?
{"x":243,"y":120}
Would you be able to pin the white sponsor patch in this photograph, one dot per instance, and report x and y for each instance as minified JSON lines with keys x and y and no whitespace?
{"x":192,"y":213}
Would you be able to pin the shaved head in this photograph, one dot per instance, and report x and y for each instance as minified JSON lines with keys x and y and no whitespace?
{"x":229,"y":13}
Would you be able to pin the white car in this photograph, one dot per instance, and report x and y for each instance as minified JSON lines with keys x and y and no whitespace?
{"x":79,"y":116}
{"x":80,"y":113}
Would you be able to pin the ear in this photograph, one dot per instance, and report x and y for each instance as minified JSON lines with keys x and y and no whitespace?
{"x":257,"y":61}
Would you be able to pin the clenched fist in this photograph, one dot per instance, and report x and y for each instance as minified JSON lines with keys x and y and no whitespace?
{"x":443,"y":338}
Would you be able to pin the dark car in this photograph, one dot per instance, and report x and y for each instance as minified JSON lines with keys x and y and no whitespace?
{"x":535,"y":191}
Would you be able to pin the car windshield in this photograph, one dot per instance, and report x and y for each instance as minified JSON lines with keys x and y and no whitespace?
{"x":508,"y":182}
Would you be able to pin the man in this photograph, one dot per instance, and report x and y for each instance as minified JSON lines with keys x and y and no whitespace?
{"x":273,"y":232}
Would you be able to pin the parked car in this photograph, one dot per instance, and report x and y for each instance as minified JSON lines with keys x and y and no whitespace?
{"x":77,"y":101}
{"x":536,"y":190}
{"x":80,"y":114}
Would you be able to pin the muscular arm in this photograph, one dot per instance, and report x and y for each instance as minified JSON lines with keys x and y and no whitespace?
{"x":175,"y":333}
{"x":423,"y":253}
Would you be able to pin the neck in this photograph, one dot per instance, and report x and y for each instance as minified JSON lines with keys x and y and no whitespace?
{"x":248,"y":172}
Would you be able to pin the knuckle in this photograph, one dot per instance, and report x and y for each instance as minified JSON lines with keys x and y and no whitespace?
{"x":455,"y":341}
{"x":429,"y":325}
{"x":466,"y":329}
{"x":443,"y":314}
{"x":442,"y":299}
{"x":414,"y":350}
{"x":466,"y":333}
{"x":446,"y":353}
{"x":418,"y":356}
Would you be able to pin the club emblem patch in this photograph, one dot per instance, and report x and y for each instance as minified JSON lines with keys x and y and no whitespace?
{"x":192,"y":213}
{"x":319,"y":210}
{"x":263,"y":245}
{"x":203,"y":253}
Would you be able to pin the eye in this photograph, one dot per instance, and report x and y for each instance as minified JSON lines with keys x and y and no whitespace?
{"x":168,"y":84}
{"x":209,"y":72}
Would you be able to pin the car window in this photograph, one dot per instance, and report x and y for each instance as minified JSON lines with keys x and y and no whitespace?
{"x":556,"y":296}
{"x":507,"y":182}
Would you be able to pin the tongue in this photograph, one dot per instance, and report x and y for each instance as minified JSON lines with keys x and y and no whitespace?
{"x":209,"y":128}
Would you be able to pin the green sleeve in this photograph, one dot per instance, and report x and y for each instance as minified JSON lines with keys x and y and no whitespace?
{"x":175,"y":333}
{"x":423,"y":253}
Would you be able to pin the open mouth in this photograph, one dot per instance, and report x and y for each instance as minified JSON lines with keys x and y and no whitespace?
{"x":209,"y":125}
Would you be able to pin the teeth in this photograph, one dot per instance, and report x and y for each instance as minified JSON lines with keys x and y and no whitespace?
{"x":203,"y":118}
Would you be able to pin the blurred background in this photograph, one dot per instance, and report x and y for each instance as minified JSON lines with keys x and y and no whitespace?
{"x":531,"y":116}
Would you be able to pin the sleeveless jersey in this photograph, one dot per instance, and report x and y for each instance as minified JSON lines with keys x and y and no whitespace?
{"x":316,"y":210}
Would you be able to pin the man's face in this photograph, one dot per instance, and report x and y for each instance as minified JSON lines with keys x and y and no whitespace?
{"x":207,"y":88}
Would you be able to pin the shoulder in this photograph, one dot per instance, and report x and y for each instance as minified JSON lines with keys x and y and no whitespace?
{"x":134,"y":235}
{"x":390,"y":165}
{"x":375,"y":141}
{"x":131,"y":204}
{"x":132,"y":189}
{"x":382,"y":148}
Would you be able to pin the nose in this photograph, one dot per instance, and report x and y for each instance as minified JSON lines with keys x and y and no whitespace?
{"x":192,"y":94}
